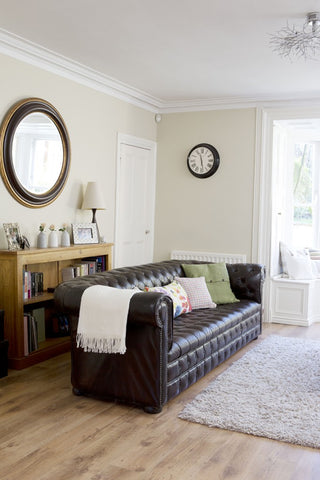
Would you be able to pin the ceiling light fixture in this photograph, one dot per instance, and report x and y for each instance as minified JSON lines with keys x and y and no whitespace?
{"x":290,"y":42}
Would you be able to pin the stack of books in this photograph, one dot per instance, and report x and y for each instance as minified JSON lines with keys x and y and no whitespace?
{"x":34,"y":329}
{"x":32,"y":284}
{"x":85,"y":267}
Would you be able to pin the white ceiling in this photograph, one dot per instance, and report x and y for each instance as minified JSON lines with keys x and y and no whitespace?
{"x":175,"y":51}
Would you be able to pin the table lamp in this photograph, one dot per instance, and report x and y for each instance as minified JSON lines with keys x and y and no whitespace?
{"x":93,"y":200}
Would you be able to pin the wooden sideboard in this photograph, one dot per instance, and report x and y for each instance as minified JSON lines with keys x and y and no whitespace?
{"x":50,"y":262}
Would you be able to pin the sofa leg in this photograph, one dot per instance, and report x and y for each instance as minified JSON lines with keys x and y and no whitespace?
{"x":77,"y":392}
{"x":152,"y":409}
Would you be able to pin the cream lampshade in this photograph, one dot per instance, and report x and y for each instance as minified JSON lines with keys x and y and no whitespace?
{"x":93,"y":199}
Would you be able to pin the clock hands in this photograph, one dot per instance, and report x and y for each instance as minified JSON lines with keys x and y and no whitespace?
{"x":201,"y":161}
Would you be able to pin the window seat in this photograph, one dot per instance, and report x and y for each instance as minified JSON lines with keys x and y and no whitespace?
{"x":295,"y":302}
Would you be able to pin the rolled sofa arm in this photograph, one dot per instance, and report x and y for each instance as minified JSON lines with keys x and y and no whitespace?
{"x":149,"y":308}
{"x":152,"y":308}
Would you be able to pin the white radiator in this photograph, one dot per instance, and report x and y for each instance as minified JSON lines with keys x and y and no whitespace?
{"x":209,"y":256}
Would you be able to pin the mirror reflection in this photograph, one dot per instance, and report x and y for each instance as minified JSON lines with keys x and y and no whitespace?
{"x":37,"y":153}
{"x":34,"y":152}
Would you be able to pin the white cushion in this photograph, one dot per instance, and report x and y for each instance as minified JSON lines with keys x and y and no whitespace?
{"x":299,"y":267}
{"x":286,"y":251}
{"x":197,"y":291}
{"x":296,"y":263}
{"x":315,"y":264}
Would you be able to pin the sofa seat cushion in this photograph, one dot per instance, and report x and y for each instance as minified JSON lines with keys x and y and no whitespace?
{"x":201,"y":338}
{"x":198,"y":327}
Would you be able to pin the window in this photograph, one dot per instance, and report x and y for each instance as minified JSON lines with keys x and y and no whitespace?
{"x":303,"y":183}
{"x":296,"y":183}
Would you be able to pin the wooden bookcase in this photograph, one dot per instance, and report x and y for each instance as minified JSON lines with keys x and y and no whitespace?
{"x":50,"y":261}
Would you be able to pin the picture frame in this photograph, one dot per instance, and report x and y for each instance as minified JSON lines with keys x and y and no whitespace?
{"x":85,"y":233}
{"x":12,"y":232}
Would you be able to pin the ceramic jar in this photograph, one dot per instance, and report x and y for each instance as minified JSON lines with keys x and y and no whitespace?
{"x":53,"y":239}
{"x":65,"y":239}
{"x":42,"y":240}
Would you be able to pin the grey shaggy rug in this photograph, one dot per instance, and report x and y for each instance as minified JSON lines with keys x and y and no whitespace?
{"x":273,"y":391}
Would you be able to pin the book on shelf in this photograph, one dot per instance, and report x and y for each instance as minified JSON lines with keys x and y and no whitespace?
{"x":38,"y":283}
{"x":39,"y":316}
{"x":67,"y":273}
{"x":30,"y":334}
{"x":25,"y":335}
{"x":91,"y":267}
{"x":25,"y":285}
{"x":100,"y":263}
{"x":82,"y":268}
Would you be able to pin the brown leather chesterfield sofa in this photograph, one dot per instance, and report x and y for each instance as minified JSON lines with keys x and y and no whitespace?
{"x":164,"y":355}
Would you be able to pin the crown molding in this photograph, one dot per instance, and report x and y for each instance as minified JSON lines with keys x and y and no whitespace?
{"x":225,"y":103}
{"x":34,"y":54}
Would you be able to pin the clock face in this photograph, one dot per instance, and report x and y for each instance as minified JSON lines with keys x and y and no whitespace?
{"x":203,"y":160}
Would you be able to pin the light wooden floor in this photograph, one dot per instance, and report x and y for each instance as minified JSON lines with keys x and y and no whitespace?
{"x":47,"y":433}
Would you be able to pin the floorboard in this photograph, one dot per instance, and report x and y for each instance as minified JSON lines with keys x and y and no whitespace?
{"x":47,"y":433}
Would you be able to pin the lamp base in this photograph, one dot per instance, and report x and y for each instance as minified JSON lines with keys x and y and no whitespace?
{"x":94,"y":215}
{"x":95,"y":221}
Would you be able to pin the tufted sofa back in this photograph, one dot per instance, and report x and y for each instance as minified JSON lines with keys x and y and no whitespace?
{"x":243,"y":279}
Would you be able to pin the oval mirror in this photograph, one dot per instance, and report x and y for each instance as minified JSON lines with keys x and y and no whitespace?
{"x":35,"y":152}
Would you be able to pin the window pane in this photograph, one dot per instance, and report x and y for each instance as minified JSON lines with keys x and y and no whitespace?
{"x":302,"y":194}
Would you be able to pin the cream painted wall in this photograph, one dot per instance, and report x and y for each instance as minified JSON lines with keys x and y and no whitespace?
{"x":214,"y":214}
{"x":209,"y":215}
{"x":93,"y":120}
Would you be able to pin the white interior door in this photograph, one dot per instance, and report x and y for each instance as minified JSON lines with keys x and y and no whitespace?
{"x":136,"y":168}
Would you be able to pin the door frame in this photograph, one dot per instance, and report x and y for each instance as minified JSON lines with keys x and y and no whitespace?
{"x":263,"y":178}
{"x":150,"y":145}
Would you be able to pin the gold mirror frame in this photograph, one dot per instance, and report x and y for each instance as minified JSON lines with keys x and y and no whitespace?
{"x":8,"y":128}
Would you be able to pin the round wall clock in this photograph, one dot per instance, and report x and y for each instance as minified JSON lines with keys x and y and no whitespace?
{"x":203,"y":160}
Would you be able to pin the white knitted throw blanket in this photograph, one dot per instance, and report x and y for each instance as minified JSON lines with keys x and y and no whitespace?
{"x":103,"y":319}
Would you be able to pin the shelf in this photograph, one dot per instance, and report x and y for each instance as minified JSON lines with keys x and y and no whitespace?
{"x":50,"y":262}
{"x":48,"y":349}
{"x":44,"y":297}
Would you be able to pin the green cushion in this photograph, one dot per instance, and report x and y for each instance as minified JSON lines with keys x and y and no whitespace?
{"x":217,"y":280}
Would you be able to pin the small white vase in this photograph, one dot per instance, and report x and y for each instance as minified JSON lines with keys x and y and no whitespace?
{"x":42,"y":240}
{"x":65,"y":239}
{"x":53,"y":239}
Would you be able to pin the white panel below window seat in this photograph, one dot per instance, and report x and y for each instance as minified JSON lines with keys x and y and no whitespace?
{"x":295,"y":302}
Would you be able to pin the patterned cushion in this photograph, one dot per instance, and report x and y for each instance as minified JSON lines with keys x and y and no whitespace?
{"x":197,"y":292}
{"x":181,"y":303}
